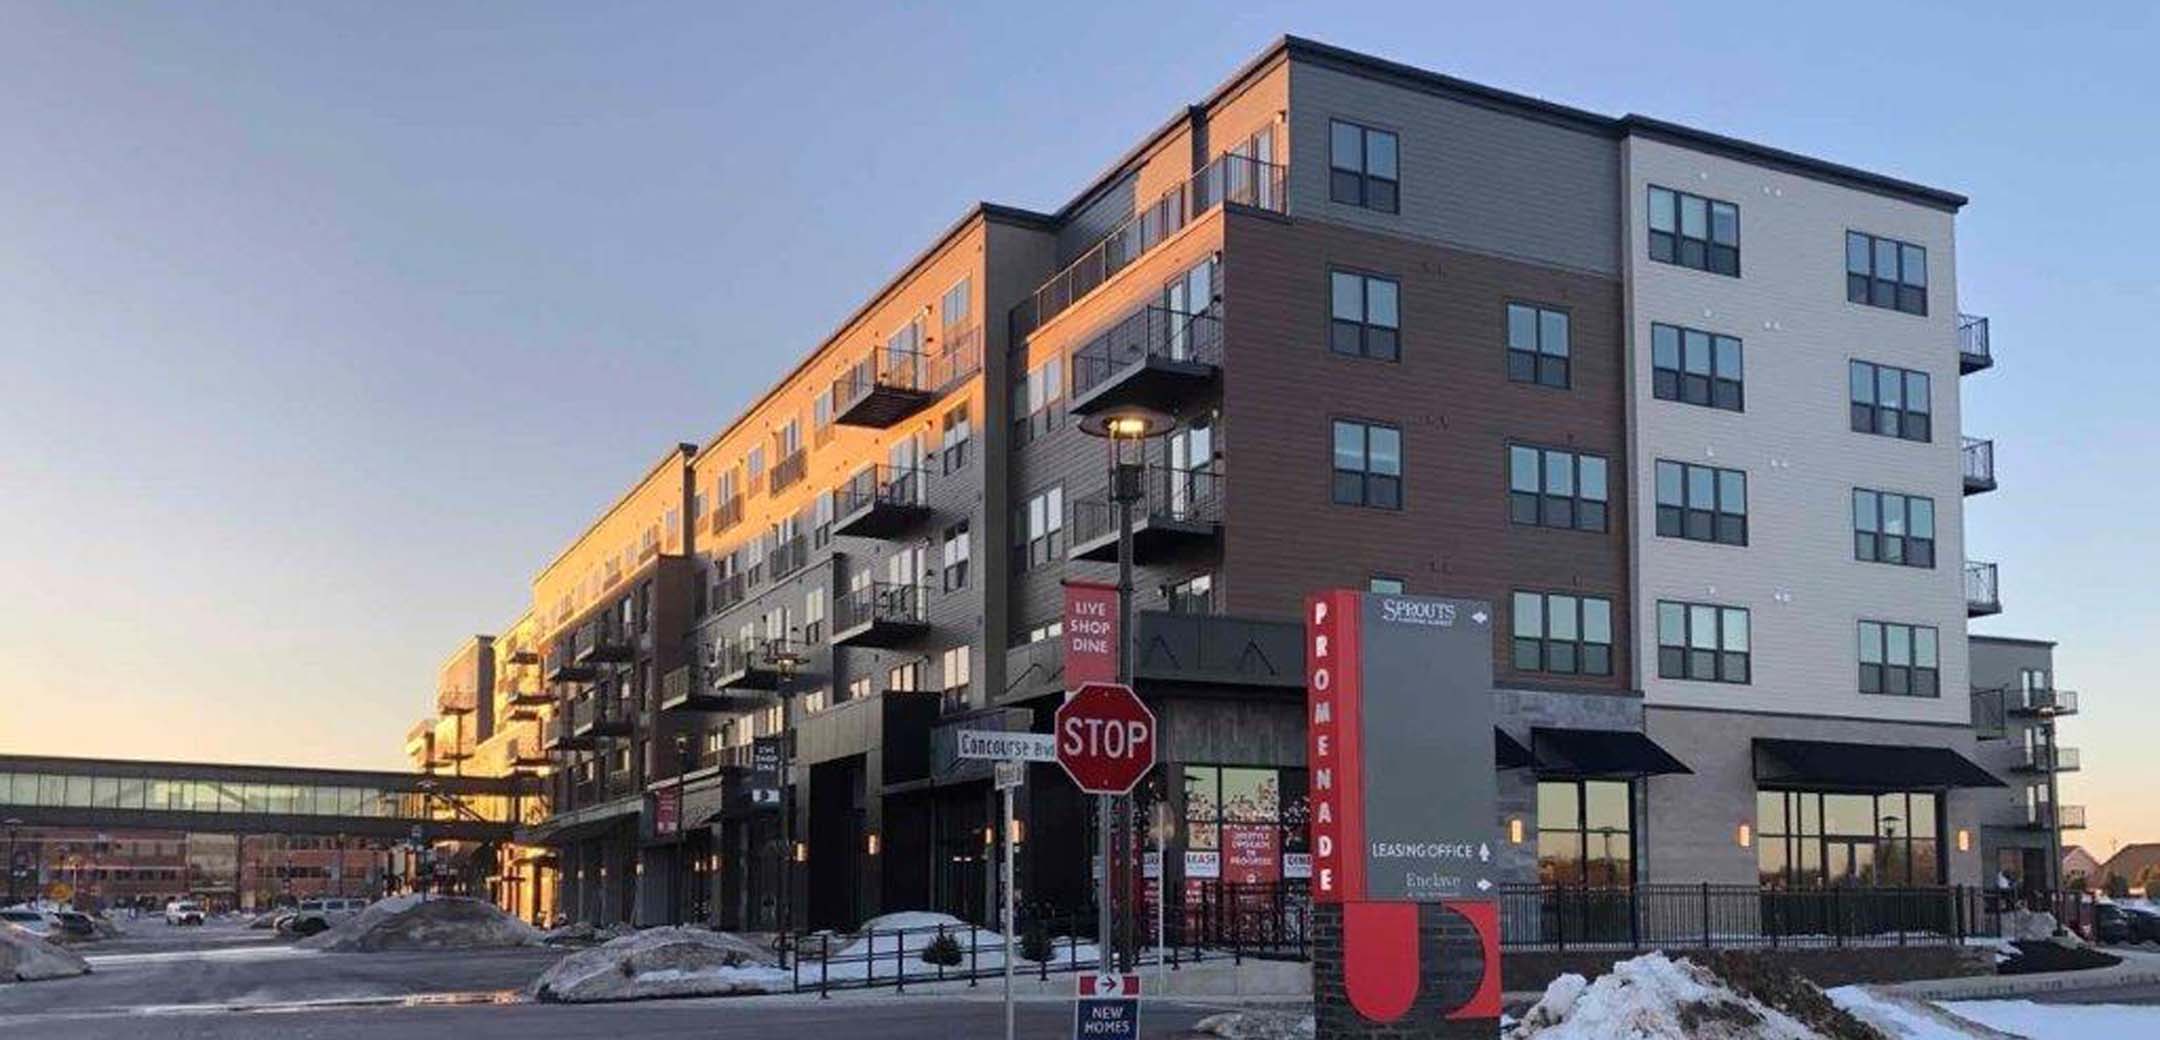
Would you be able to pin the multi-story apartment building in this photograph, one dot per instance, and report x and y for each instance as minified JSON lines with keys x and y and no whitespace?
{"x":2016,"y":709}
{"x":1682,"y":408}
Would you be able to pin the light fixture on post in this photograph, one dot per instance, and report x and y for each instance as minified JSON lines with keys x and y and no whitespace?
{"x":683,"y":762}
{"x":786,"y":662}
{"x":1126,"y":432}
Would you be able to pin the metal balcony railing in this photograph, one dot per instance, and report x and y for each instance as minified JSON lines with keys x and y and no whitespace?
{"x":2042,"y":702}
{"x":878,"y":603}
{"x":905,"y":379}
{"x":2070,"y":817}
{"x":1168,"y":496}
{"x":1979,"y":465}
{"x":1990,"y":717}
{"x":729,"y":592}
{"x":2043,"y":759}
{"x":1149,"y":333}
{"x":1981,"y":595}
{"x":786,"y":472}
{"x":726,"y":514}
{"x":1974,"y":353}
{"x":1230,"y":178}
{"x":787,"y":557}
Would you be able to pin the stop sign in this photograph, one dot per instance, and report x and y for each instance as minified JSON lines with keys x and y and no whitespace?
{"x":1105,"y":738}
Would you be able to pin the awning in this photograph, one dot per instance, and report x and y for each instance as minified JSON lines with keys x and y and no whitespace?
{"x":1838,"y":766}
{"x":1600,"y":752}
{"x":1508,"y":753}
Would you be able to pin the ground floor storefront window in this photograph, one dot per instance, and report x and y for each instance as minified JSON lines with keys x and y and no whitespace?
{"x":1247,"y":855}
{"x":1586,"y":832}
{"x":1816,"y":839}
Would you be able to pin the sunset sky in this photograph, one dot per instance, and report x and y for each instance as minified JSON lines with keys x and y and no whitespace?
{"x":322,"y":327}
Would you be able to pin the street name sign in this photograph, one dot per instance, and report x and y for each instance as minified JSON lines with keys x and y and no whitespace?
{"x":1000,"y":745}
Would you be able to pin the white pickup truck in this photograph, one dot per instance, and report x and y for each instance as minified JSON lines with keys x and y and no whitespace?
{"x":181,"y":911}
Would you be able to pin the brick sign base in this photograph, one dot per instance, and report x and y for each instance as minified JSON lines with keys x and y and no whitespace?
{"x":1451,"y":967}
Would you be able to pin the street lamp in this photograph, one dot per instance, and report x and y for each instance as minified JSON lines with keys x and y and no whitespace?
{"x":786,"y":662}
{"x":12,"y":869}
{"x":1126,"y":432}
{"x":682,"y":780}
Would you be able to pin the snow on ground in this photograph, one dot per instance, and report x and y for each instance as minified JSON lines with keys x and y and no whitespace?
{"x":890,"y":944}
{"x":1652,"y":998}
{"x":1894,"y":1017}
{"x":664,"y":962}
{"x":413,"y":923}
{"x":2061,"y":1021}
{"x":26,"y":958}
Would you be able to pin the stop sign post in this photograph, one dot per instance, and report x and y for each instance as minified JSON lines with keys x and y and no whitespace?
{"x":1105,"y":738}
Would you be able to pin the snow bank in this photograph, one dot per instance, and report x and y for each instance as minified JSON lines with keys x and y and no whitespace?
{"x":26,"y":958}
{"x":1897,"y":1017}
{"x":1654,"y":998}
{"x":892,"y":944}
{"x":583,"y":933}
{"x":2061,"y":1021}
{"x":410,"y":923}
{"x":663,"y":962}
{"x":1257,"y":1025}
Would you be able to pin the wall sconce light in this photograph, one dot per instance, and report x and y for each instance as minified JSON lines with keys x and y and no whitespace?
{"x":1019,"y":831}
{"x":1745,"y":836}
{"x":989,"y":836}
{"x":802,"y":853}
{"x":1514,"y":831}
{"x":1964,"y":840}
{"x":870,"y":844}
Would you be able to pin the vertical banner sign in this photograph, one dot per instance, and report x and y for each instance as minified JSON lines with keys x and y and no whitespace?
{"x":765,"y":771}
{"x":667,"y":810}
{"x":1404,"y":800}
{"x":1091,"y":633}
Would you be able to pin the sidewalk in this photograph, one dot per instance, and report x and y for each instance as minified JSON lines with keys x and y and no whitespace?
{"x":2138,"y":968}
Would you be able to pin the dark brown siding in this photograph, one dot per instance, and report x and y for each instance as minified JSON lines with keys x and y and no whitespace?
{"x":1450,"y":394}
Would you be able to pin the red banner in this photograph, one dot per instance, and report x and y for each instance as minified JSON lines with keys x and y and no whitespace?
{"x":1252,"y":853}
{"x":1333,"y":736}
{"x":667,"y":810}
{"x":1091,"y":633}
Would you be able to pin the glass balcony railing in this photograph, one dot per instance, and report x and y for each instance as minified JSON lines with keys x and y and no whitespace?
{"x":1974,"y":353}
{"x":1979,"y":465}
{"x":1981,"y":596}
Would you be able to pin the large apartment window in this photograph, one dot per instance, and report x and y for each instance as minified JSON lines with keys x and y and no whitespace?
{"x":1701,"y":503}
{"x":1703,"y":641}
{"x":1562,"y":634}
{"x":953,"y":449}
{"x":754,"y":466}
{"x":1882,"y":272}
{"x":1585,"y":832}
{"x":1039,"y":528}
{"x":1893,"y":528}
{"x":821,"y":427}
{"x":1898,"y":660}
{"x":1696,"y":367}
{"x":1194,"y":595}
{"x":1365,"y":316}
{"x":1893,"y":402}
{"x":953,"y":679}
{"x":1362,"y":166}
{"x":1818,"y":839}
{"x":1368,"y":465}
{"x":1549,"y":488}
{"x":1537,"y":345}
{"x":1035,"y":400}
{"x":955,"y":557}
{"x":1692,"y":231}
{"x":814,"y":615}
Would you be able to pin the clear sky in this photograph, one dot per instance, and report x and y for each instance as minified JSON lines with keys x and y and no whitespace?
{"x":323,"y":326}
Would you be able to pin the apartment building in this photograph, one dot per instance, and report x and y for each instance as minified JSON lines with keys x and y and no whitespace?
{"x":1683,"y":409}
{"x":2016,"y":709}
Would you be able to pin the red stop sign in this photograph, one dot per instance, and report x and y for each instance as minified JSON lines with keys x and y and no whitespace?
{"x":1105,"y":738}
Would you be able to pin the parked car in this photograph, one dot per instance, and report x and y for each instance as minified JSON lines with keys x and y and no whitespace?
{"x":2111,"y":923}
{"x":183,"y":912}
{"x":36,"y":922}
{"x":2143,"y":921}
{"x":74,"y":924}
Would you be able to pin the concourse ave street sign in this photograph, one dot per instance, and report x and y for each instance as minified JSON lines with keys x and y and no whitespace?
{"x":1105,"y":738}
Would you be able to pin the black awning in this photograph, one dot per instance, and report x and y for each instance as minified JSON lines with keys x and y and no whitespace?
{"x":1838,"y":766}
{"x":1508,"y":753}
{"x":1600,"y":752}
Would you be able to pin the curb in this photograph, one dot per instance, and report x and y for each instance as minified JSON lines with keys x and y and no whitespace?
{"x":2024,"y":985}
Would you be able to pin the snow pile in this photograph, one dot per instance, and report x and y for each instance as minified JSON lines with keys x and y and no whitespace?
{"x":411,"y":923}
{"x":26,"y":958}
{"x":1257,"y":1025}
{"x":2028,"y":925}
{"x":584,"y":933}
{"x":663,"y":962}
{"x":1900,"y":1018}
{"x":1654,"y":998}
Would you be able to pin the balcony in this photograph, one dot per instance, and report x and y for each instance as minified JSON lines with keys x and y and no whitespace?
{"x":563,"y":734}
{"x":725,"y":515}
{"x":526,"y":754}
{"x":2034,"y":703}
{"x":880,"y":502}
{"x":1973,"y":352}
{"x":1979,"y":465}
{"x":563,"y":667}
{"x":1179,"y":510}
{"x":420,"y":743}
{"x":604,"y":642}
{"x":1990,"y":722}
{"x":882,"y":615}
{"x":1156,"y":358}
{"x":522,"y":655}
{"x":2043,"y":759}
{"x":687,"y":689}
{"x":789,"y":471}
{"x":2066,"y":817}
{"x":787,"y":557}
{"x":889,"y":385}
{"x":1981,"y":598}
{"x":729,"y":592}
{"x":736,"y":664}
{"x":457,"y":701}
{"x":591,"y":717}
{"x":1232,"y":179}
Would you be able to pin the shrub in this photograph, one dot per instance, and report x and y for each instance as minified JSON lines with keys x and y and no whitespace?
{"x":1035,"y":942}
{"x":943,"y":950}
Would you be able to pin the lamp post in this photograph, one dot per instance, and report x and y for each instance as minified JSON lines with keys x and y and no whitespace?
{"x":12,"y":868}
{"x":1126,"y":432}
{"x":786,"y":661}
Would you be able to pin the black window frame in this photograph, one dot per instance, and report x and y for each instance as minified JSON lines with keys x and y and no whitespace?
{"x":1719,"y":525}
{"x":1900,"y":420}
{"x":1549,"y":654}
{"x":1680,"y":383}
{"x":1898,"y":550}
{"x":1372,"y":340}
{"x":1888,"y":679}
{"x":1374,"y":490}
{"x":1615,"y":872}
{"x":1534,"y":364}
{"x":1573,"y":511}
{"x":1869,"y":286}
{"x":1358,"y":186}
{"x":1717,"y":663}
{"x":1701,"y":253}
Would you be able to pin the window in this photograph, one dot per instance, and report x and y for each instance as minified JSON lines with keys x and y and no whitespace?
{"x":821,"y":520}
{"x":1365,"y":318}
{"x":815,"y":701}
{"x":1245,"y":808}
{"x":1035,"y":400}
{"x":1537,"y":345}
{"x":1047,"y":630}
{"x":955,"y":559}
{"x":754,"y":463}
{"x":1702,"y":641}
{"x":1368,"y":465}
{"x":821,"y":417}
{"x":1384,"y":585}
{"x":1893,"y":528}
{"x":906,"y":678}
{"x":814,"y":615}
{"x":1893,"y":402}
{"x":1881,"y":272}
{"x":1701,"y":503}
{"x":1693,"y":231}
{"x":1562,"y":634}
{"x":857,"y":689}
{"x":1899,"y":660}
{"x":1361,"y":166}
{"x":1194,"y":595}
{"x":1039,"y":527}
{"x":957,"y":430}
{"x":1695,"y":367}
{"x":953,"y":307}
{"x":953,"y":676}
{"x":1818,"y":839}
{"x":1556,"y":489}
{"x":1585,"y":832}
